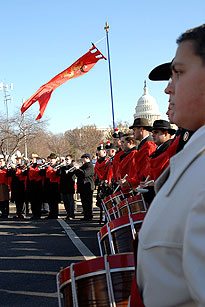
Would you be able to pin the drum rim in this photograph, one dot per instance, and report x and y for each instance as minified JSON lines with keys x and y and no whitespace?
{"x":103,"y":231}
{"x":120,"y":269}
{"x":115,"y":224}
{"x":61,"y":285}
{"x":117,"y":260}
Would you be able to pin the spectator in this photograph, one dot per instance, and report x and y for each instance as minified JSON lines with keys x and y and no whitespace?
{"x":85,"y":186}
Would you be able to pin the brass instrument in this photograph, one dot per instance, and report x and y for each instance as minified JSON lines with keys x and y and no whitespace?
{"x":56,"y":167}
{"x":72,"y":169}
{"x":43,"y":166}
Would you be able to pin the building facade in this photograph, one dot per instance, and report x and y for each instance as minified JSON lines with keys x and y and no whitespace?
{"x":147,"y":107}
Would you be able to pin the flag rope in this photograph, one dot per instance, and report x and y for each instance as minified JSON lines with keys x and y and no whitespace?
{"x":100,"y":40}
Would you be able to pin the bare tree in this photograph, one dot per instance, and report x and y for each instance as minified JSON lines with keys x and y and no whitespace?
{"x":58,"y":144}
{"x":16,"y":131}
{"x":84,"y":140}
{"x":28,"y":135}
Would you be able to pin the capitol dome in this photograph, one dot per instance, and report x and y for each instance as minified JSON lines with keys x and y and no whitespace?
{"x":147,"y":107}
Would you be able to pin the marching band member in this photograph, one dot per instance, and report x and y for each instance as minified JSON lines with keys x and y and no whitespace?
{"x":4,"y":188}
{"x":67,"y":186}
{"x":170,"y":262}
{"x":85,"y":185}
{"x":163,"y":136}
{"x":128,"y":161}
{"x":162,"y":133}
{"x":163,"y":73}
{"x":35,"y":191}
{"x":110,"y":153}
{"x":54,"y":194}
{"x":141,"y":130}
{"x":18,"y":186}
{"x":100,"y":172}
{"x":117,"y":136}
{"x":100,"y":165}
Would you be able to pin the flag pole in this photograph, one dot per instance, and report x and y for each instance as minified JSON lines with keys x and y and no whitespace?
{"x":106,"y":28}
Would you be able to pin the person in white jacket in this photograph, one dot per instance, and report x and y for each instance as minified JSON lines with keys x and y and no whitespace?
{"x":171,"y":248}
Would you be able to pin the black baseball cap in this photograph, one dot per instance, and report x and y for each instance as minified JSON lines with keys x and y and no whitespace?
{"x":161,"y":72}
{"x":86,"y":155}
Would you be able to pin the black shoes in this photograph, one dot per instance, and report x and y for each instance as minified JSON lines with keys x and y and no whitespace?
{"x":86,"y":219}
{"x":34,"y":218}
{"x":51,"y":217}
{"x":19,"y":217}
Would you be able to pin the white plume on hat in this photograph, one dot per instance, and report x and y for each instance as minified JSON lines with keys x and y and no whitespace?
{"x":18,"y":154}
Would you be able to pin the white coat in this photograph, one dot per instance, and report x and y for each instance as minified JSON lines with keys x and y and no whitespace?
{"x":171,"y":251}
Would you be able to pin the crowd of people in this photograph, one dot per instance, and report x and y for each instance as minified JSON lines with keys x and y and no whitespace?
{"x":124,"y":162}
{"x":41,"y":184}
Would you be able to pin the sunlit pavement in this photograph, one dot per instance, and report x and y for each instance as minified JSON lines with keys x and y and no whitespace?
{"x":32,"y":252}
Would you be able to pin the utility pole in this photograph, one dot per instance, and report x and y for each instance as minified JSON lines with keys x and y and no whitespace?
{"x":7,"y":98}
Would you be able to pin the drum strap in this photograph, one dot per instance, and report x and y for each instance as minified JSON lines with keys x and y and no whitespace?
{"x":58,"y":289}
{"x":132,"y":227}
{"x":73,"y":286}
{"x":109,"y":282}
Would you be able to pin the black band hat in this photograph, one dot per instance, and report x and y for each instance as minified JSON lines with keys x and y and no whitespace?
{"x":141,"y":122}
{"x":161,"y":124}
{"x":110,"y":146}
{"x":100,"y":147}
{"x":117,"y":134}
{"x":161,"y":72}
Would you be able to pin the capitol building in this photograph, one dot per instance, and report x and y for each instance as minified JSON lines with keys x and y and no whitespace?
{"x":147,"y":107}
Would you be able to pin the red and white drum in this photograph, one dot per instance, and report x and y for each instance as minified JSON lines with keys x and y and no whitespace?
{"x":117,"y":236}
{"x":107,"y":202}
{"x":104,"y":281}
{"x":117,"y":197}
{"x":104,"y":239}
{"x":110,"y":202}
{"x":131,"y":205}
{"x":113,"y":213}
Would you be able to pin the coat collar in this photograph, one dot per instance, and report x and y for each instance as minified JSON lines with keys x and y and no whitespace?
{"x":180,"y":162}
{"x":144,"y":140}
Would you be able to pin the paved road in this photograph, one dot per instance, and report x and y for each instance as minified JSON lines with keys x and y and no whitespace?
{"x":32,"y":252}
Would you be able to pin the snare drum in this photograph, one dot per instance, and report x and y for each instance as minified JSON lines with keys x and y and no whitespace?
{"x":117,"y":197}
{"x":104,"y":281}
{"x":120,"y":233}
{"x":109,"y":202}
{"x":123,"y":231}
{"x":113,"y":213}
{"x":131,"y":205}
{"x":104,"y":239}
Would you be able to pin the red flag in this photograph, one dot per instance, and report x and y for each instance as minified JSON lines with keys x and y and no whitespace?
{"x":77,"y":69}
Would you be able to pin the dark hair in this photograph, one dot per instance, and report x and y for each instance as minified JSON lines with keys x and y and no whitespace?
{"x":197,"y":35}
{"x":130,"y":138}
{"x":70,"y":156}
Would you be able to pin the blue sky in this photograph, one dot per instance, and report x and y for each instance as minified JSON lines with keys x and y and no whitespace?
{"x":40,"y":38}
